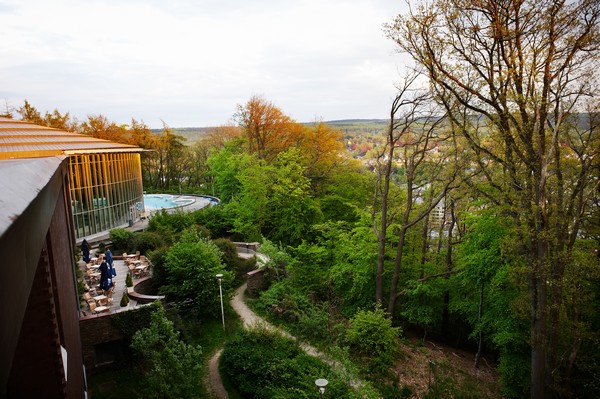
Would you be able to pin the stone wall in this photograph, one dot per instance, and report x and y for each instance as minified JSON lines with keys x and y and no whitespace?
{"x":255,"y":281}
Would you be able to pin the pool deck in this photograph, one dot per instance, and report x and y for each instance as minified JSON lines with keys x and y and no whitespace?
{"x":141,"y":225}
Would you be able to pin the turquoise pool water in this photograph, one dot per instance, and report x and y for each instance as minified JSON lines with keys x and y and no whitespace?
{"x":164,"y":201}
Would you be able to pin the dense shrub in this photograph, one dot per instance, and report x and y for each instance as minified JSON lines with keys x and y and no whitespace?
{"x":514,"y":374}
{"x":176,"y":221}
{"x":128,"y":323}
{"x":314,"y":323}
{"x":170,"y":225}
{"x":190,"y":268}
{"x":232,"y":261}
{"x":159,"y":275}
{"x":229,"y":251}
{"x":216,"y":219}
{"x":263,"y":364}
{"x":169,"y":367}
{"x":283,"y":301}
{"x":146,"y":241}
{"x":337,"y":208}
{"x":121,"y":240}
{"x":371,"y":335}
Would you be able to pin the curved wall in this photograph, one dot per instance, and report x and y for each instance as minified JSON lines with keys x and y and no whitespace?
{"x":106,"y":191}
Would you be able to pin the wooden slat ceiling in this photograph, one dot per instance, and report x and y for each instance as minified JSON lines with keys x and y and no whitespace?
{"x":19,"y":139}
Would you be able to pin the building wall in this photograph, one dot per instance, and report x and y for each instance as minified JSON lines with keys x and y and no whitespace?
{"x":39,"y":314}
{"x":106,"y":191}
{"x":95,"y":331}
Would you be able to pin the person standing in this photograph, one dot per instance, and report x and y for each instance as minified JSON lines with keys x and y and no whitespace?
{"x":85,"y":249}
{"x":109,"y":260}
{"x":105,"y":280}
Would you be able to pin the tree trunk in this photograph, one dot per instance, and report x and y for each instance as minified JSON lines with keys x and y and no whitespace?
{"x":539,"y":330}
{"x":479,"y":315}
{"x":397,"y":268}
{"x":382,"y":233}
{"x":449,"y":267}
{"x":424,"y":245}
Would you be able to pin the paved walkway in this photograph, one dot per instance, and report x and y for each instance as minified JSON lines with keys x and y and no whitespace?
{"x":250,"y":319}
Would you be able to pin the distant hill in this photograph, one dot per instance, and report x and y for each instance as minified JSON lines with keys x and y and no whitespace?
{"x":349,"y":127}
{"x":191,"y":134}
{"x":355,"y":128}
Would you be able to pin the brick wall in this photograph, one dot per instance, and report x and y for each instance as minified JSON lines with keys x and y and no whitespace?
{"x":96,"y":330}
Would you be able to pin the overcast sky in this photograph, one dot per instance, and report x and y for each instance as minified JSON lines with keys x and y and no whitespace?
{"x":191,"y":62}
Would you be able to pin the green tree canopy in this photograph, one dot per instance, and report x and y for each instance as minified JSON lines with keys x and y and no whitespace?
{"x":191,"y":266}
{"x":170,"y":367}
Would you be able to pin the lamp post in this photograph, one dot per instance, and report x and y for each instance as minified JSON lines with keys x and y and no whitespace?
{"x":321,"y":383}
{"x":220,"y":276}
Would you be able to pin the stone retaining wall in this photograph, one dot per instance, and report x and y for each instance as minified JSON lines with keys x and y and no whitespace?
{"x":254,"y":281}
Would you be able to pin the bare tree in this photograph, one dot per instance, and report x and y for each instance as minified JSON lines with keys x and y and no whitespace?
{"x":522,"y":68}
{"x":416,"y":140}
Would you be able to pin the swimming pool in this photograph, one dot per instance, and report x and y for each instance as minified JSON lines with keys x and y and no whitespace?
{"x":153,"y":202}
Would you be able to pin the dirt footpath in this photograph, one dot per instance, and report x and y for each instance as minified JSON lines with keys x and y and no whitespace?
{"x":249,"y":319}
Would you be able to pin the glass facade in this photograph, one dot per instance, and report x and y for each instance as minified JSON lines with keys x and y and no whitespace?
{"x":106,"y":191}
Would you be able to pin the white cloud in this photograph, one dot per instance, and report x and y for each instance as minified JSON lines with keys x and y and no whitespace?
{"x":191,"y":62}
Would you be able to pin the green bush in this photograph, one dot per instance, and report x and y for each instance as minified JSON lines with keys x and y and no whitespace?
{"x":128,"y":323}
{"x":284,"y":302}
{"x":121,"y":239}
{"x":169,"y":366}
{"x":128,"y":280}
{"x":263,"y":364}
{"x":232,"y":261}
{"x":216,"y":219}
{"x":314,"y":323}
{"x":101,"y":248}
{"x":124,"y":300}
{"x":190,"y":268}
{"x":146,"y":241}
{"x":159,"y":274}
{"x":514,"y":370}
{"x":175,"y":222}
{"x":371,"y":334}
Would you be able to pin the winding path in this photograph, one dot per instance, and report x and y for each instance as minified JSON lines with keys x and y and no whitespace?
{"x":249,"y":319}
{"x":214,"y":378}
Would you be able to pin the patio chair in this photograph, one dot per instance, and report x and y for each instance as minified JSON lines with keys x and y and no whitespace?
{"x":137,"y":273}
{"x":93,"y":279}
